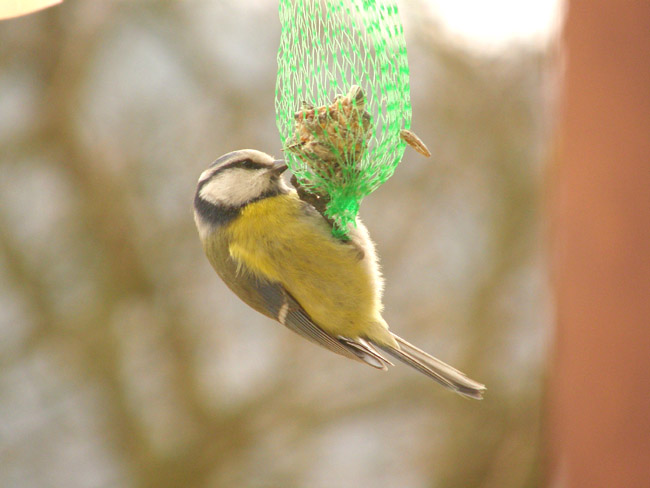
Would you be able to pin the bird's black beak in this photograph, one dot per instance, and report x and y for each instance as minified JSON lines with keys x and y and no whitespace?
{"x":279,"y":167}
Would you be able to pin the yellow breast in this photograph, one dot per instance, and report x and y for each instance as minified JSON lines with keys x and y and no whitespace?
{"x":277,"y":240}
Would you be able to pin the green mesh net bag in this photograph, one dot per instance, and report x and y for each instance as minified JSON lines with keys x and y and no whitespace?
{"x":342,"y":98}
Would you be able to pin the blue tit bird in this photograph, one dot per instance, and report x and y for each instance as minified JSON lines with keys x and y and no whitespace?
{"x":277,"y":253}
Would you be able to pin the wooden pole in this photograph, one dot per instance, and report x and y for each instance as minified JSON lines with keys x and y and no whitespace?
{"x":600,"y":213}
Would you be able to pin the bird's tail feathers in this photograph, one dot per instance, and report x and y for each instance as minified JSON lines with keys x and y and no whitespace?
{"x":434,"y":368}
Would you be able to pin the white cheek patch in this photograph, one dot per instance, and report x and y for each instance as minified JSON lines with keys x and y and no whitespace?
{"x":234,"y":187}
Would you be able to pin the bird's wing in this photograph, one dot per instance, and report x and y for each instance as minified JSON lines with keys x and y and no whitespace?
{"x":273,"y":300}
{"x":285,"y":309}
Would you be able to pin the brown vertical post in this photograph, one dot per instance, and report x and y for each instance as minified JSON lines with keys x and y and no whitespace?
{"x":600,"y":213}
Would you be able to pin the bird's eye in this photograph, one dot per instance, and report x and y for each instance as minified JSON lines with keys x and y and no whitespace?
{"x":247,"y":164}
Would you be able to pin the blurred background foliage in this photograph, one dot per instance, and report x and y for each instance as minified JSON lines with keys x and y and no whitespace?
{"x":124,"y":361}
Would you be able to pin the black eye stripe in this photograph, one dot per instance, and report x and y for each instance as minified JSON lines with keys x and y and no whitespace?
{"x":241,"y":163}
{"x":247,"y":164}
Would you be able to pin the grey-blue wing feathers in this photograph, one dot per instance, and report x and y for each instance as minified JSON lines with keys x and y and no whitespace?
{"x":285,"y":309}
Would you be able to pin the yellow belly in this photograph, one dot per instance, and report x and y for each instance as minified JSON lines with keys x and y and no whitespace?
{"x":276,"y":240}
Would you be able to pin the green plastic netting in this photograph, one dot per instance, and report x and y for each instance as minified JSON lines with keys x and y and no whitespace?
{"x":342,"y":97}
